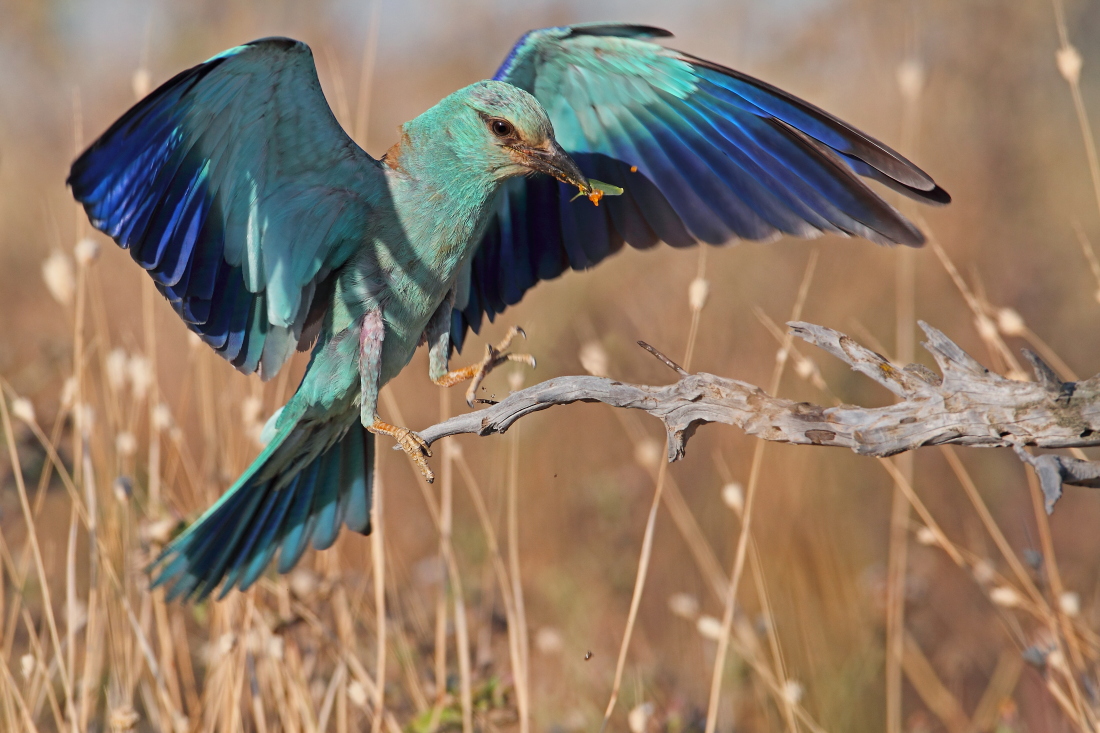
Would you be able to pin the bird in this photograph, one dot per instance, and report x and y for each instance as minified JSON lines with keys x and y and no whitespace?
{"x":269,"y":230}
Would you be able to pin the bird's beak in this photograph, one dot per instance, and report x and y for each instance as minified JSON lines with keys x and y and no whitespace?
{"x":554,"y":161}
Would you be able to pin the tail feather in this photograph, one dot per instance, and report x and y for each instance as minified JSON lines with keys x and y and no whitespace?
{"x":238,"y":554}
{"x":193,"y":549}
{"x":309,"y":481}
{"x":326,"y":502}
{"x":301,"y":521}
{"x":266,"y":544}
{"x":209,"y":548}
{"x":359,"y":495}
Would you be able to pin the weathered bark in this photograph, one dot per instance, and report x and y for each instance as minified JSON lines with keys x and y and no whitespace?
{"x":969,"y":405}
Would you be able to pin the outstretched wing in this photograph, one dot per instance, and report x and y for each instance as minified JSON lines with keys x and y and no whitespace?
{"x":703,"y":152}
{"x":236,"y":188}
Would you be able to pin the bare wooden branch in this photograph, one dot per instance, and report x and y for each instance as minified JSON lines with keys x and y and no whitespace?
{"x":1054,"y":470}
{"x":969,"y":405}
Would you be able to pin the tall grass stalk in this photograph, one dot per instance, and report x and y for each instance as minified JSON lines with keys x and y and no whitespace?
{"x":697,"y":299}
{"x":781,"y":359}
{"x":521,"y":664}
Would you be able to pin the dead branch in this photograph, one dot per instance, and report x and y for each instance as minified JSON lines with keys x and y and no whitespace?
{"x":969,"y":405}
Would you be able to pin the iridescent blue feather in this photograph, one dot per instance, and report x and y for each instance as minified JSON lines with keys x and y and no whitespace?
{"x":195,"y":182}
{"x":704,"y":154}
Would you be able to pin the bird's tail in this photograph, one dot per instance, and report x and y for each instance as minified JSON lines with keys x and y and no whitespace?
{"x":311,"y":478}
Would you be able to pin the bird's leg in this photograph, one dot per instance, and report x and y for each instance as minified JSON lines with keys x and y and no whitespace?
{"x":372,"y":331}
{"x":494,"y":357}
{"x":414,"y":446}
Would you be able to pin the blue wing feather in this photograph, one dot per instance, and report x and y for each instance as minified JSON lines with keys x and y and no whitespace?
{"x":704,"y":153}
{"x":233,"y":185}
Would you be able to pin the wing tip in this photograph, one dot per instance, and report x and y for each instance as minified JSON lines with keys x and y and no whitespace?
{"x":937,"y":196}
{"x":904,"y":233}
{"x":622,"y":30}
{"x":859,"y":144}
{"x":917,"y":241}
{"x":278,"y":43}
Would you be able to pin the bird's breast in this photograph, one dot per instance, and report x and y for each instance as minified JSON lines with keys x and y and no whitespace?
{"x":415,"y":255}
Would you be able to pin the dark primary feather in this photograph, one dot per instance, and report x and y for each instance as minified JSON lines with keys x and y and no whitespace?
{"x":704,"y":154}
{"x":197,"y":181}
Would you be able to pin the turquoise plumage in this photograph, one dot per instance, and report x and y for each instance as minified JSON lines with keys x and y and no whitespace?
{"x":268,"y":229}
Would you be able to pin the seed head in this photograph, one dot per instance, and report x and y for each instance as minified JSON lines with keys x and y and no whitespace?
{"x":638,"y":718}
{"x":684,"y":605}
{"x":1069,"y":63}
{"x":22,"y":408}
{"x":549,"y":640}
{"x":697,"y":293}
{"x":910,"y":76}
{"x":515,"y":380}
{"x":709,"y":627}
{"x":86,"y":251}
{"x":57,"y":271}
{"x":984,"y":572}
{"x":68,"y":392}
{"x":792,"y":691}
{"x":734,"y":496}
{"x":1070,"y":603}
{"x":986,"y":328}
{"x":250,"y":410}
{"x":927,"y":537}
{"x":648,"y":453}
{"x":594,"y":359}
{"x":126,"y":443}
{"x":162,"y":417}
{"x":140,"y":82}
{"x":1005,"y":596}
{"x":1010,"y":322}
{"x":141,"y":375}
{"x":116,"y":365}
{"x":357,"y":694}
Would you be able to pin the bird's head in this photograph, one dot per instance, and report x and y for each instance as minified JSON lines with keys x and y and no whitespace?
{"x":504,"y":131}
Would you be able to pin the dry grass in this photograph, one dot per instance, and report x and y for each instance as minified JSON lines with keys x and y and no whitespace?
{"x":563,"y":576}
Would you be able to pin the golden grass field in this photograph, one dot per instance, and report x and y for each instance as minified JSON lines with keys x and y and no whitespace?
{"x":508,"y":585}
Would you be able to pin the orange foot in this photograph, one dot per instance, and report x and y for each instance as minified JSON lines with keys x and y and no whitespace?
{"x":494,"y":357}
{"x":414,"y":446}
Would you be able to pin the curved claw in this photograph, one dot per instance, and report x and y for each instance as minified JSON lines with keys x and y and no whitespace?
{"x":494,"y":357}
{"x":415,"y":447}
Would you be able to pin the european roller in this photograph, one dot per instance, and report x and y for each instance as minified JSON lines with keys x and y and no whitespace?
{"x":268,"y":230}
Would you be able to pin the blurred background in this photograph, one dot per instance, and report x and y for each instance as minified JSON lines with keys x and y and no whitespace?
{"x":508,"y":583}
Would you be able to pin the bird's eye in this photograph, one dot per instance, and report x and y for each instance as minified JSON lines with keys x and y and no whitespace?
{"x":501,"y":128}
